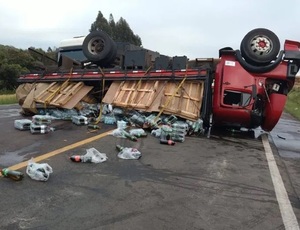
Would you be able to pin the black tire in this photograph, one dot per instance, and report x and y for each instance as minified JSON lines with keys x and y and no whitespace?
{"x":112,"y":55}
{"x":260,"y":46}
{"x":255,"y":68}
{"x":97,"y":46}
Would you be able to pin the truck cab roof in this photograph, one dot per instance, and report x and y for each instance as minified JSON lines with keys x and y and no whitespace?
{"x":71,"y":42}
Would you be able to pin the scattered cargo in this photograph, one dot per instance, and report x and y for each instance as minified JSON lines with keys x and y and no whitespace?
{"x":22,"y":124}
{"x":92,"y":156}
{"x":80,"y":120}
{"x":38,"y":171}
{"x":12,"y":174}
{"x":128,"y":153}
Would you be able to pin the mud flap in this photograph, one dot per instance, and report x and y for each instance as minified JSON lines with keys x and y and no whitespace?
{"x":273,"y":110}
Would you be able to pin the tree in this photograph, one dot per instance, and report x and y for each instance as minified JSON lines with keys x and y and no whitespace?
{"x":101,"y":24}
{"x":112,"y":25}
{"x":9,"y":74}
{"x":119,"y":31}
{"x":124,"y":33}
{"x":14,"y":62}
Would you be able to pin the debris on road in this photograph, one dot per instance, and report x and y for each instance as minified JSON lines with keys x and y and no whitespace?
{"x":138,"y":132}
{"x":93,"y":127}
{"x":167,"y":142}
{"x":128,"y":135}
{"x":128,"y":153}
{"x":92,"y":156}
{"x":281,"y":137}
{"x":79,"y":120}
{"x":41,"y":119}
{"x":42,"y":129}
{"x":22,"y":124}
{"x":38,"y":171}
{"x":41,"y":124}
{"x":131,"y":124}
{"x":12,"y":174}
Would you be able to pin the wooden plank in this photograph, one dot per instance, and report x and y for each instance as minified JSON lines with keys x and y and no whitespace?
{"x":112,"y":91}
{"x":157,"y":97}
{"x":144,"y":95}
{"x":29,"y":102}
{"x":135,"y":94}
{"x":66,"y":94}
{"x":42,"y":96}
{"x":186,"y":103}
{"x":82,"y":92}
{"x":125,"y":93}
{"x":151,"y":96}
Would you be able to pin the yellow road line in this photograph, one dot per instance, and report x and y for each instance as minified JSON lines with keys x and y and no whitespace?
{"x":61,"y":150}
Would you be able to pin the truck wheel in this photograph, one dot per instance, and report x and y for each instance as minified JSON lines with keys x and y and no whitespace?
{"x":96,"y":46}
{"x":112,"y":55}
{"x":260,"y":46}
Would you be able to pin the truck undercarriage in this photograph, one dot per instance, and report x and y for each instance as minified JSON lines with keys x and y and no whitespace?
{"x":242,"y":88}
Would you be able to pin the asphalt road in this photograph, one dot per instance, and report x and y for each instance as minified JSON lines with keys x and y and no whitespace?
{"x":221,"y":182}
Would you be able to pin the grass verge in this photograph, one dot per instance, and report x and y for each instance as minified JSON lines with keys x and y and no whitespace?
{"x":8,"y":99}
{"x":293,"y":103}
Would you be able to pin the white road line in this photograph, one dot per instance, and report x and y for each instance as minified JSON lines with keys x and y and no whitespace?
{"x":288,"y":216}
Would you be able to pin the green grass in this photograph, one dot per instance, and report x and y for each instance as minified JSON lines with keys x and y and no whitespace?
{"x":8,"y":99}
{"x":293,"y":103}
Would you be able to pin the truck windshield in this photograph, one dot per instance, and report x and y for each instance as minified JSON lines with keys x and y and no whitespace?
{"x":76,"y":55}
{"x":236,"y":98}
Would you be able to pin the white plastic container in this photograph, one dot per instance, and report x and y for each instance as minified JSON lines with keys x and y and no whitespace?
{"x":180,"y":127}
{"x":121,"y":124}
{"x":41,"y":119}
{"x":22,"y":124}
{"x":109,"y":120}
{"x":166,"y":131}
{"x":80,"y":120}
{"x":42,"y":129}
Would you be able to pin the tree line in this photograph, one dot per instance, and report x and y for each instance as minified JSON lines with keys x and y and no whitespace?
{"x":15,"y":62}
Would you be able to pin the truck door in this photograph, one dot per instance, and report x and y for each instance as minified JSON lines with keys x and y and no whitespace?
{"x":236,"y":86}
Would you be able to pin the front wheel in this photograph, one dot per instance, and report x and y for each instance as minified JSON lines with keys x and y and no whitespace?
{"x":260,"y":46}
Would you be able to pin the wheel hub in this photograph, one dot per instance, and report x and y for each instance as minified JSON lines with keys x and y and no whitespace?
{"x":96,"y":46}
{"x":261,"y":45}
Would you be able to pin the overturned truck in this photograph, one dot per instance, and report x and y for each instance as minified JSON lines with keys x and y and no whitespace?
{"x":246,"y":87}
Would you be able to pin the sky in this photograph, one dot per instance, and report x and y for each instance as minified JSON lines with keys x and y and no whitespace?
{"x":194,"y":28}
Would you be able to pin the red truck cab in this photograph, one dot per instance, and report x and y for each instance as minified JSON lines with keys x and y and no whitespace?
{"x":251,"y":84}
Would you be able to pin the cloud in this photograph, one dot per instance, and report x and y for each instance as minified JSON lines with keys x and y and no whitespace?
{"x":191,"y":27}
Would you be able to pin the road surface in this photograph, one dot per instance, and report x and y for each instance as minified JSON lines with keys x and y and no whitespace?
{"x":221,"y":182}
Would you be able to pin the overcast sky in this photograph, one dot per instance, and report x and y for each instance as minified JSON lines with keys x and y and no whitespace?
{"x":194,"y":28}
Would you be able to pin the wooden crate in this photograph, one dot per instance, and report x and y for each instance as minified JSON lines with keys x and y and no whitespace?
{"x":156,"y":96}
{"x":63,"y":95}
{"x":186,"y":102}
{"x":135,"y":94}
